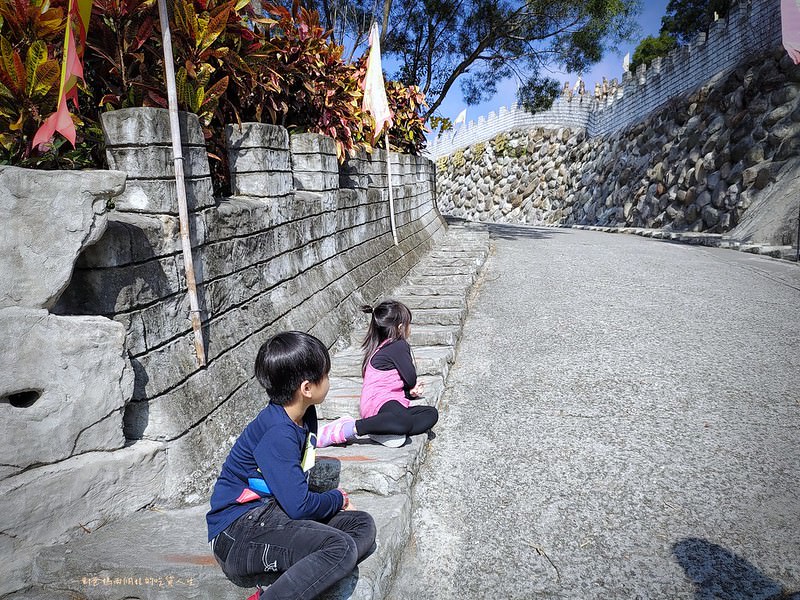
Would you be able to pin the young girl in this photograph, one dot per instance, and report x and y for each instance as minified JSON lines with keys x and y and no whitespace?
{"x":390,"y":382}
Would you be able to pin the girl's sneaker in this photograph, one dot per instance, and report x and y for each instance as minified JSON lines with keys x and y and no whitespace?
{"x":336,"y":432}
{"x":389,"y":440}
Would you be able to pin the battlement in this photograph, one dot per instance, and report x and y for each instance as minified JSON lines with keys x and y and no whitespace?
{"x":751,"y":26}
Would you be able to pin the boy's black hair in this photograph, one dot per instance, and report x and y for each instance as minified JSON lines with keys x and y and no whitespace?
{"x":288,"y":359}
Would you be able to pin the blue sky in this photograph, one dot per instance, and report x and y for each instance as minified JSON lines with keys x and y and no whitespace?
{"x":610,"y":67}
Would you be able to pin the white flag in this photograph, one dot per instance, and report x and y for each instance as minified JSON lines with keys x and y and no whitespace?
{"x":790,"y":26}
{"x":461,"y":118}
{"x":626,"y":62}
{"x":374,"y":88}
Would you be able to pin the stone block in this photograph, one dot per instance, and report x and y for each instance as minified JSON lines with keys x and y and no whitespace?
{"x":257,"y":160}
{"x":326,"y":163}
{"x":54,"y":503}
{"x":160,"y":196}
{"x":256,"y":135}
{"x":312,"y":143}
{"x":262,"y":184}
{"x":156,"y":162}
{"x":378,"y":176}
{"x":316,"y":181}
{"x":366,"y":466}
{"x":241,"y":216}
{"x":48,"y":218}
{"x":64,"y":380}
{"x":158,"y":323}
{"x":121,"y":289}
{"x":355,"y":171}
{"x":195,"y":459}
{"x":137,"y":238}
{"x":191,"y":399}
{"x":145,"y":126}
{"x":180,"y":567}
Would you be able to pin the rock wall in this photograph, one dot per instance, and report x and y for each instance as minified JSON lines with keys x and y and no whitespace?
{"x":697,"y":164}
{"x":301,"y":245}
{"x":64,"y":380}
{"x":750,"y":28}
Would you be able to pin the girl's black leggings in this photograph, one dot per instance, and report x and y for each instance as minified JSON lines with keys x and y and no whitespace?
{"x":396,"y":419}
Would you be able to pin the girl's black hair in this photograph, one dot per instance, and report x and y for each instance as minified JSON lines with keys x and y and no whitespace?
{"x":384,"y":324}
{"x":288,"y":359}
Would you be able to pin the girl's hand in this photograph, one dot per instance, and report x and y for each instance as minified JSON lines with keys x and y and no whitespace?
{"x":418,"y":390}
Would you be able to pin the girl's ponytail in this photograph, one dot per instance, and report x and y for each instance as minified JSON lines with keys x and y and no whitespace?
{"x":384,"y":325}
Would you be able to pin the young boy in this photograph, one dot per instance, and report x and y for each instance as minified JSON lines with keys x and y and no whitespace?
{"x":263,"y":517}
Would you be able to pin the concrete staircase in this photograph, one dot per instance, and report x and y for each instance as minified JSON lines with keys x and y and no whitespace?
{"x":163,"y":554}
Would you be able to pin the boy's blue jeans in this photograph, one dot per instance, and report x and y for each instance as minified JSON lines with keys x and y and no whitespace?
{"x":311,"y":555}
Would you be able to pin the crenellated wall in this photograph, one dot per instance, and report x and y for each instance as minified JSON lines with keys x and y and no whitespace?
{"x":697,"y":164}
{"x":751,"y":27}
{"x":302,"y":244}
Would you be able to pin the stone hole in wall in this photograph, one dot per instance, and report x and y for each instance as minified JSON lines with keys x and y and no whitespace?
{"x":22,"y":399}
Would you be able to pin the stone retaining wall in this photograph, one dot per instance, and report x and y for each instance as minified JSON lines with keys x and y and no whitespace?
{"x":301,"y":245}
{"x":695,"y":165}
{"x":750,"y":28}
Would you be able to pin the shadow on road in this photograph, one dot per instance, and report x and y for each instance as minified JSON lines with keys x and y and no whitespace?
{"x":506,"y":231}
{"x":719,"y":574}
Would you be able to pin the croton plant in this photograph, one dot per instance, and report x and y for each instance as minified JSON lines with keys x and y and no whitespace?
{"x":232,"y":64}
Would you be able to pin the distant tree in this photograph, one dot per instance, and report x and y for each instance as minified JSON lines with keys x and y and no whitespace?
{"x":650,"y":48}
{"x":479,"y":43}
{"x":348,"y":20}
{"x":686,"y":18}
{"x":482,"y":42}
{"x":683,"y":20}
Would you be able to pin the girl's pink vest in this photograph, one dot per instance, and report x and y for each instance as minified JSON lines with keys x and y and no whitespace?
{"x":380,"y":387}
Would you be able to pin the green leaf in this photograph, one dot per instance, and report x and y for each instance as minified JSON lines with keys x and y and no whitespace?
{"x":182,"y":88}
{"x":37,"y":55}
{"x":197,"y":100}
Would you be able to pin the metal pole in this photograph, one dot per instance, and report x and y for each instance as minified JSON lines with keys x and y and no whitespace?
{"x":183,"y":212}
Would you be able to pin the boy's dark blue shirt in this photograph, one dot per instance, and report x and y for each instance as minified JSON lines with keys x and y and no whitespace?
{"x":270,"y":448}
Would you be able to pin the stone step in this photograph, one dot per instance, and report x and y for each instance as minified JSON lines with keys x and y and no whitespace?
{"x":414,"y":302}
{"x":439,"y":316}
{"x":429,"y":360}
{"x":344,"y":396}
{"x":421,"y":335}
{"x":434,"y":335}
{"x":163,"y":555}
{"x":443,"y":271}
{"x":430,"y":289}
{"x":366,"y":466}
{"x":464,"y":280}
{"x":452,"y":260}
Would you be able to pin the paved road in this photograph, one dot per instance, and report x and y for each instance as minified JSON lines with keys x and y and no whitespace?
{"x":622,"y":420}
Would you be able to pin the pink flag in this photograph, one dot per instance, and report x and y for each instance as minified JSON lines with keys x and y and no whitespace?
{"x":374,"y":89}
{"x":78,"y":14}
{"x":790,"y":20}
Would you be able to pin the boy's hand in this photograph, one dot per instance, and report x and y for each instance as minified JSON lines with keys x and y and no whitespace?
{"x":418,"y":390}
{"x":347,"y":504}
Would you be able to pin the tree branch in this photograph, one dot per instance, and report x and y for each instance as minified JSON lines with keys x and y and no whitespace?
{"x":457,"y":72}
